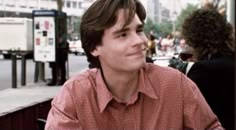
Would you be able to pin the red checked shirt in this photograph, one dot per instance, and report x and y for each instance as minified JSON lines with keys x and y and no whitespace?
{"x":165,"y":100}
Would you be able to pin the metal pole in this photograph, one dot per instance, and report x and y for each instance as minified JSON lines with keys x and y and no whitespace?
{"x":14,"y":70}
{"x":36,"y":72}
{"x":67,"y":68}
{"x":67,"y":65}
{"x":41,"y":71}
{"x":23,"y":70}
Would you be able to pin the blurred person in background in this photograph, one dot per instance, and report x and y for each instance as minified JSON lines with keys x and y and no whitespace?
{"x":184,"y":61}
{"x":167,"y":43}
{"x":151,"y":46}
{"x":211,"y":37}
{"x":58,"y":68}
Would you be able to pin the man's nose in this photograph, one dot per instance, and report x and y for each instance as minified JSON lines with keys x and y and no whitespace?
{"x":139,"y":39}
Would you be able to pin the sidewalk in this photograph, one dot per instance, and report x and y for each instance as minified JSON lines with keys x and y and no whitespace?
{"x":12,"y":100}
{"x":15,"y":99}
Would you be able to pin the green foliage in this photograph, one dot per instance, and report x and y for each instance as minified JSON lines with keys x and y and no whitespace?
{"x":184,"y":14}
{"x":158,"y":29}
{"x":149,"y":26}
{"x":165,"y":28}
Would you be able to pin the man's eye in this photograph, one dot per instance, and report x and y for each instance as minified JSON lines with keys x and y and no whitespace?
{"x":122,"y":35}
{"x":140,"y":30}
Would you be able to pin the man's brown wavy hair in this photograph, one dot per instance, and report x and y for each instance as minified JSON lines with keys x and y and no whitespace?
{"x":209,"y":34}
{"x":102,"y":14}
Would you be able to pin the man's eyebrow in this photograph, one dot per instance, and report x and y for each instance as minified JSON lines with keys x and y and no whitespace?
{"x":125,"y":29}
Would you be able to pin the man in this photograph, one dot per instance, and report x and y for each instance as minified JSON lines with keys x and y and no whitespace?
{"x":123,"y":91}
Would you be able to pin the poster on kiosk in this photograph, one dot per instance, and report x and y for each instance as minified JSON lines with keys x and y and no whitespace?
{"x":44,"y":29}
{"x":47,"y":24}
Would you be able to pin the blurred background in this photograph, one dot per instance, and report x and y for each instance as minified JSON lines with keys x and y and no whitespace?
{"x":164,"y":16}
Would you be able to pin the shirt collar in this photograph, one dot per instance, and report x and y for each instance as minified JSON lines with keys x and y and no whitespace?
{"x":104,"y":96}
{"x":145,"y":84}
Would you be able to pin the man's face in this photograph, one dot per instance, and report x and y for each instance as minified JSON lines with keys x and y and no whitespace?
{"x":123,"y":49}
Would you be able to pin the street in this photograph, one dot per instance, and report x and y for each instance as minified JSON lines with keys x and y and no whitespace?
{"x":76,"y":64}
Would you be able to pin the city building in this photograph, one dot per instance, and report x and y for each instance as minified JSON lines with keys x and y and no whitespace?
{"x":25,"y":7}
{"x":157,"y":12}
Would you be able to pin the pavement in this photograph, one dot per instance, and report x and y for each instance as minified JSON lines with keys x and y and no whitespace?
{"x":14,"y":99}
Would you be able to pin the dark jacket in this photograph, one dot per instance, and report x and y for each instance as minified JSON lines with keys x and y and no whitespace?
{"x":215,"y":79}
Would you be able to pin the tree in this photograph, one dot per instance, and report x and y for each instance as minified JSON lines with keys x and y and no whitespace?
{"x":165,"y":28}
{"x":149,"y":26}
{"x":158,"y":30}
{"x":184,"y":14}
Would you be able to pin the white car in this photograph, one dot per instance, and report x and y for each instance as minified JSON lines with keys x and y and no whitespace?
{"x":76,"y":47}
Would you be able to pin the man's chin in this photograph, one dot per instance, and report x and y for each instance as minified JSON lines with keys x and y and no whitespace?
{"x":139,"y":65}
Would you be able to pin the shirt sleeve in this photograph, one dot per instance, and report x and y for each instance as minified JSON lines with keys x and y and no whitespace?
{"x":197,"y":113}
{"x":62,"y":115}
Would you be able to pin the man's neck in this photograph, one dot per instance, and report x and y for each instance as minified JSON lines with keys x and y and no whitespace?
{"x":121,"y":84}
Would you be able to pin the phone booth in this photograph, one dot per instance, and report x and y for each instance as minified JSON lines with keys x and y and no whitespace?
{"x":47,"y":26}
{"x":49,"y":39}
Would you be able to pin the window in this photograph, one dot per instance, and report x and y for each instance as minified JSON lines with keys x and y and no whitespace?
{"x":80,"y":4}
{"x":74,"y":3}
{"x":68,"y":4}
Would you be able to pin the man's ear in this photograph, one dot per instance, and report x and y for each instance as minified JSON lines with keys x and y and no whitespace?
{"x":95,"y":52}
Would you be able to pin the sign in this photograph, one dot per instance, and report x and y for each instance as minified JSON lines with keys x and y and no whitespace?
{"x":44,"y":39}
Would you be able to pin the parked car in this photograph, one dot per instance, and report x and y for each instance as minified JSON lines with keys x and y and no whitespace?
{"x":76,"y":47}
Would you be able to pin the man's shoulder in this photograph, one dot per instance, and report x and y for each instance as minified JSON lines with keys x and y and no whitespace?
{"x":152,"y":69}
{"x":162,"y":75}
{"x":83,"y":81}
{"x":166,"y":81}
{"x":78,"y":90}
